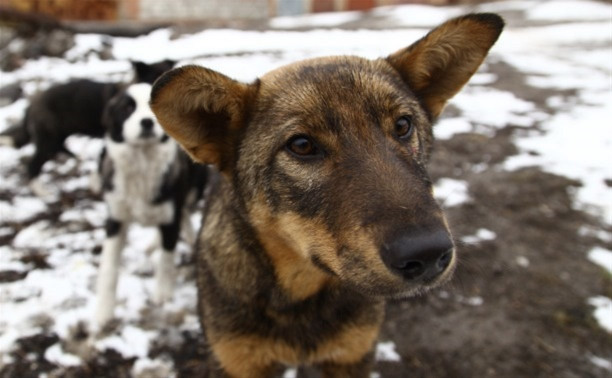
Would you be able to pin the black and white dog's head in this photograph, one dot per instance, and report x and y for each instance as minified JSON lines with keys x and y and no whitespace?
{"x":129,"y":119}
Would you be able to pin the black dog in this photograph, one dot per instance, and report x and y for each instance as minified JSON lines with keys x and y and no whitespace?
{"x":66,"y":109}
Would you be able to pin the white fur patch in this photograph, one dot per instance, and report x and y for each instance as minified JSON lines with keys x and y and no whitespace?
{"x":164,"y":277}
{"x":108,"y":275}
{"x":138,"y":174}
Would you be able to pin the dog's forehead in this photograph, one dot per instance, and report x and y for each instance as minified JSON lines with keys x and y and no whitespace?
{"x":323,"y":66}
{"x":334,"y":94}
{"x":334,"y":81}
{"x":140,"y":92}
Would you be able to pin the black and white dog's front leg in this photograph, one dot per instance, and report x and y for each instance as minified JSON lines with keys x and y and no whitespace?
{"x":165,"y":272}
{"x":108,"y":272}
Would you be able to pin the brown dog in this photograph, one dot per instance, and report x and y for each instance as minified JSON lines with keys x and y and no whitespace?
{"x":323,"y":207}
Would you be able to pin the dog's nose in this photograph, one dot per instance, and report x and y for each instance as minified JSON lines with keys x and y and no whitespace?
{"x":423,"y":255}
{"x":146,"y":123}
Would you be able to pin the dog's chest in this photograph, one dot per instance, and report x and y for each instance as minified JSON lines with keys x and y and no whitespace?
{"x":138,"y":175}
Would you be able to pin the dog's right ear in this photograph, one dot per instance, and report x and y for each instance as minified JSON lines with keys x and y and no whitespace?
{"x":203,"y":110}
{"x":438,"y":65}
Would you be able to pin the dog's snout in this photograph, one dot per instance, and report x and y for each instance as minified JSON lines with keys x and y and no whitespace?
{"x":425,"y":255}
{"x":146,"y":123}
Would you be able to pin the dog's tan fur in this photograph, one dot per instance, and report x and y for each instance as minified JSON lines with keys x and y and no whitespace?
{"x":320,"y":179}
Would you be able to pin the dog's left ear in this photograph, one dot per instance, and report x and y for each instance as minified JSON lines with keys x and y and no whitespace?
{"x":438,"y":65}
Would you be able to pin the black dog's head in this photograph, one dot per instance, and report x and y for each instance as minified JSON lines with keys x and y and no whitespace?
{"x":128,"y":118}
{"x":148,"y":73}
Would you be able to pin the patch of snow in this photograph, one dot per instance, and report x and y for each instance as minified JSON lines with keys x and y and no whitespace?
{"x":56,"y":355}
{"x":473,"y":301}
{"x":45,"y":71}
{"x":522,"y":261}
{"x":483,"y":78}
{"x":22,"y":209}
{"x":84,"y":44}
{"x":7,"y":261}
{"x":550,"y":41}
{"x":13,"y":113}
{"x":509,"y":5}
{"x":314,"y":20}
{"x":575,"y":144}
{"x":493,"y":107}
{"x":603,"y":311}
{"x":80,"y":182}
{"x":603,"y":363}
{"x":602,"y":257}
{"x":146,"y":367}
{"x":415,"y":15}
{"x":385,"y":351}
{"x":94,"y":214}
{"x":566,"y":10}
{"x":132,"y":342}
{"x":451,"y":192}
{"x":482,"y":234}
{"x":447,"y":127}
{"x":290,"y":373}
{"x":597,"y":233}
{"x":33,"y":235}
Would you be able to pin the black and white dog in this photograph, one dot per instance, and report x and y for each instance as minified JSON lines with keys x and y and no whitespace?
{"x":66,"y":109}
{"x":146,"y":178}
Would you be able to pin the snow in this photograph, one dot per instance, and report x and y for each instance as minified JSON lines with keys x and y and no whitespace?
{"x":385,"y":351}
{"x":603,"y":311}
{"x":132,"y":342}
{"x":21,"y":209}
{"x":494,"y":107}
{"x":523,"y":261}
{"x":601,"y":362}
{"x":416,"y":15}
{"x":576,"y":143}
{"x":471,"y":301}
{"x":314,"y":20}
{"x":447,"y":127}
{"x":145,"y":367}
{"x":602,"y":257}
{"x":564,"y":10}
{"x":56,"y":355}
{"x":451,"y":192}
{"x":290,"y":373}
{"x":482,"y":234}
{"x":574,"y":139}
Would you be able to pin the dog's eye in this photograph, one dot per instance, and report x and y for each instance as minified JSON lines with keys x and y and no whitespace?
{"x":303,"y":146}
{"x":404,"y":127}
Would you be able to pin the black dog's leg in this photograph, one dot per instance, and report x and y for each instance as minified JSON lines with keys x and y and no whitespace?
{"x":45,"y":151}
